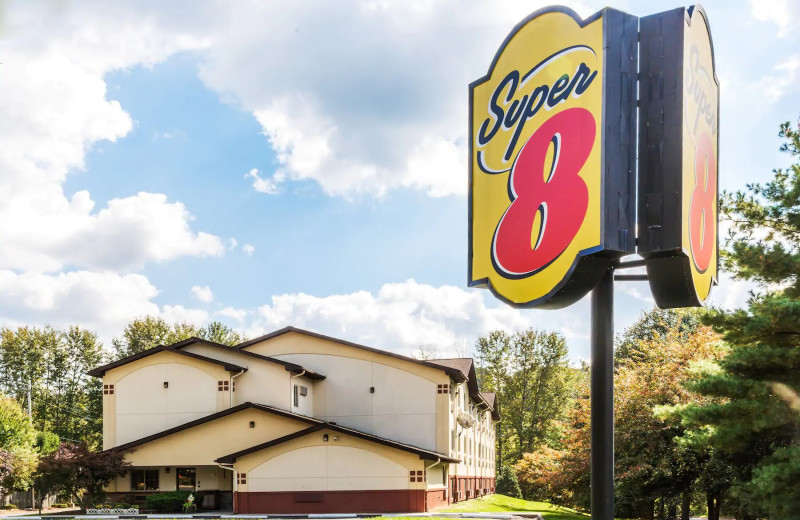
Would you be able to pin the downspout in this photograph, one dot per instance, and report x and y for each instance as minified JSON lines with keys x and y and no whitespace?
{"x":291,"y":390}
{"x":235,"y":480}
{"x":438,"y":460}
{"x":230,"y":405}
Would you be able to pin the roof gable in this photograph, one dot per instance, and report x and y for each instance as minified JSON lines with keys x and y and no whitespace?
{"x":213,"y":417}
{"x":454,"y":373}
{"x":423,"y":453}
{"x":100,"y":371}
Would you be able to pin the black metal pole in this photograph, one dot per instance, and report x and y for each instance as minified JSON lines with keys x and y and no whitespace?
{"x":602,"y":398}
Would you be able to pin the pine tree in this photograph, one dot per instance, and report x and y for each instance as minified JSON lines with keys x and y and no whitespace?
{"x":507,"y":483}
{"x":754,"y":427}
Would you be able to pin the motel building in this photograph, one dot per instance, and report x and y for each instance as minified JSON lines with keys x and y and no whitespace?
{"x":298,"y":422}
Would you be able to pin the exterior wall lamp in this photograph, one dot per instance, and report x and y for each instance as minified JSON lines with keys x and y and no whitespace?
{"x":166,"y":384}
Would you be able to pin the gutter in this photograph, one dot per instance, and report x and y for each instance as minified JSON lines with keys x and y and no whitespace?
{"x":234,"y":376}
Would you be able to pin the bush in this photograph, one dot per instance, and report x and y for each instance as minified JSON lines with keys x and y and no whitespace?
{"x":59,"y":505}
{"x":507,"y":483}
{"x":9,"y":506}
{"x":171,"y":502}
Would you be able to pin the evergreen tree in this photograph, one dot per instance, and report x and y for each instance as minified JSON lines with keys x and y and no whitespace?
{"x":507,"y":483}
{"x":753,"y":426}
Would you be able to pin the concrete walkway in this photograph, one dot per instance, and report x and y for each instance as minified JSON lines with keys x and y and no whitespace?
{"x":210,"y":516}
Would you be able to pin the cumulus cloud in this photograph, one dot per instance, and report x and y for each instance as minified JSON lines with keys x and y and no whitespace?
{"x":248,"y":249}
{"x":104,"y":302}
{"x":204,"y":293}
{"x":54,"y":108}
{"x":362,"y":115}
{"x":181,"y":314}
{"x":263,"y":185}
{"x":783,"y":13}
{"x":399,"y":316}
{"x":783,"y":80}
{"x":230,"y":312}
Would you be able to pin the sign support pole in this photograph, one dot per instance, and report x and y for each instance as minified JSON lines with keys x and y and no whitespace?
{"x":602,"y":398}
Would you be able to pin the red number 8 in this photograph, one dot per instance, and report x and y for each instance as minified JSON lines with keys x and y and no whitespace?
{"x":702,"y":206}
{"x":555,"y":193}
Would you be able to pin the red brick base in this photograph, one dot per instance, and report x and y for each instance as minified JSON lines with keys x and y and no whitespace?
{"x":366,"y":501}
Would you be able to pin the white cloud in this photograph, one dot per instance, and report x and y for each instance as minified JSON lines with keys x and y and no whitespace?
{"x":180,"y":314}
{"x":783,"y":81}
{"x":399,"y":317}
{"x":103,"y":302}
{"x":783,"y":13}
{"x":361,"y":115}
{"x":54,"y":108}
{"x":248,"y":249}
{"x":268,"y":186}
{"x":230,"y":312}
{"x":204,"y":293}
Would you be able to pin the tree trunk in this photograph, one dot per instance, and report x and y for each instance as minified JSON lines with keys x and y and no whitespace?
{"x":713,"y":502}
{"x":661,"y":510}
{"x":651,"y":510}
{"x":686,"y":505}
{"x":672,"y":510}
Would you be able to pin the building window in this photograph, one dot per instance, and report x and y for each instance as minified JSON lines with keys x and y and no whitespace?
{"x":296,"y":397}
{"x":442,"y":389}
{"x":242,"y":478}
{"x":223,"y":386}
{"x":108,"y":389}
{"x":186,"y":479}
{"x":416,"y":476}
{"x":144,"y":480}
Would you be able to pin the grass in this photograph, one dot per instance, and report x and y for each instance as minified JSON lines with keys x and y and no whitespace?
{"x":504,"y":504}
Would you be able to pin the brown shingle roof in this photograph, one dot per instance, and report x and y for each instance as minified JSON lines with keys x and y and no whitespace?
{"x":212,"y":417}
{"x":423,"y":453}
{"x":100,"y":371}
{"x":452,"y":372}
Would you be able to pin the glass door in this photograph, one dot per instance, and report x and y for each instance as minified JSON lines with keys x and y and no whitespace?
{"x":187,"y":478}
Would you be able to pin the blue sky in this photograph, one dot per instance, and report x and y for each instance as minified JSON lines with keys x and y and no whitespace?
{"x":294,"y":163}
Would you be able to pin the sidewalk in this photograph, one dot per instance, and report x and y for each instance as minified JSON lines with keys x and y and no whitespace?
{"x":211,"y":516}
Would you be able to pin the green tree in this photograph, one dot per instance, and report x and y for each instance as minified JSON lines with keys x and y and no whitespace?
{"x":530,"y":373}
{"x":17,"y":451}
{"x":148,"y":332}
{"x":51,"y":364}
{"x":507,"y":483}
{"x":752,"y":425}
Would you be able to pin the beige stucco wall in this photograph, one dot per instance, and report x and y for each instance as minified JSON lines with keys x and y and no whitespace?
{"x":202,"y":444}
{"x":208,"y":477}
{"x":263,"y":383}
{"x":311,"y":464}
{"x":405,"y":402}
{"x":141,"y":406}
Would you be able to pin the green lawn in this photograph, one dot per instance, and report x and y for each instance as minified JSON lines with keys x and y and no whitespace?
{"x":504,"y":504}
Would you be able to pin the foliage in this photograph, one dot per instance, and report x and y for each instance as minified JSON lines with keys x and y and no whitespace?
{"x":529,"y":371}
{"x":539,"y":475}
{"x":649,"y":465}
{"x":498,"y":503}
{"x":79,"y":472}
{"x":652,"y":325}
{"x":751,"y":424}
{"x":507,"y":483}
{"x":17,"y":453}
{"x":148,"y":332}
{"x":52,"y":365}
{"x":171,"y":502}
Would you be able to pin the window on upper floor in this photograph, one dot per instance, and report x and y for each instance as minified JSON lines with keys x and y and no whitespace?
{"x":144,"y":480}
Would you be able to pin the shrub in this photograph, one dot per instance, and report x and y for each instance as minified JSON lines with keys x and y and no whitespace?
{"x":9,"y":506}
{"x":59,"y":505}
{"x":507,"y":483}
{"x":171,"y":502}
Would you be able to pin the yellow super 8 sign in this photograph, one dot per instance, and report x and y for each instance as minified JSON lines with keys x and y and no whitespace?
{"x":542,"y":170}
